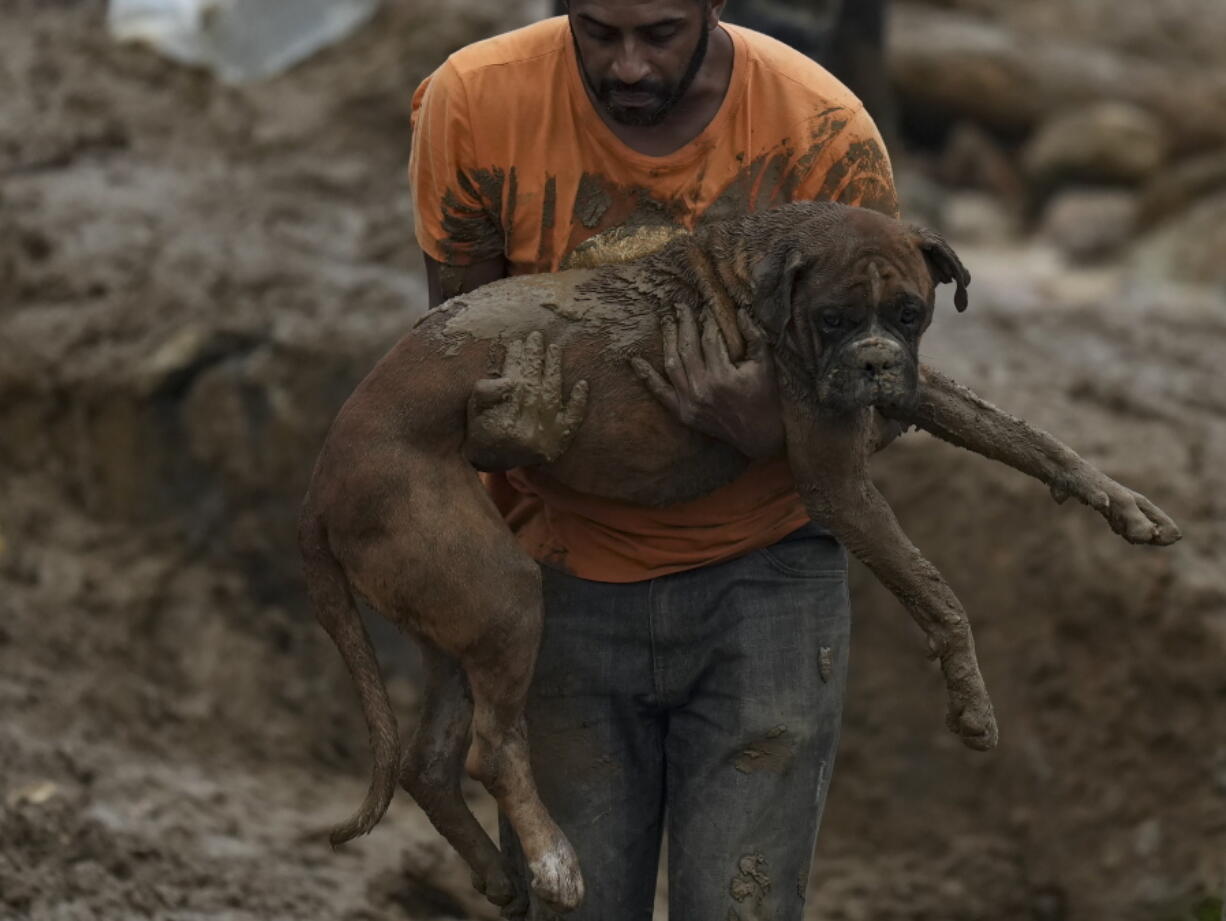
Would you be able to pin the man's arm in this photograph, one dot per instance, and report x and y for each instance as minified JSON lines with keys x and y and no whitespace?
{"x":518,"y":418}
{"x":444,"y":282}
{"x":456,"y":223}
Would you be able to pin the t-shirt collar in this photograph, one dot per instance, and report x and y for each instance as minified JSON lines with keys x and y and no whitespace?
{"x":589,"y":119}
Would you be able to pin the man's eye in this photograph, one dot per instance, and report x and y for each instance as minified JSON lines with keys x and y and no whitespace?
{"x":662,"y":36}
{"x":597,"y":34}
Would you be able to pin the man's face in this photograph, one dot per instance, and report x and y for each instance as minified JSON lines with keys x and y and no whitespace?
{"x":639,"y":57}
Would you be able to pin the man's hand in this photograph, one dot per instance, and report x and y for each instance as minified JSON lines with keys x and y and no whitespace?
{"x":736,"y":403}
{"x":520,"y":419}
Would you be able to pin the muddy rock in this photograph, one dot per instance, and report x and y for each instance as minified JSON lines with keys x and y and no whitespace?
{"x":921,"y":198}
{"x":1177,"y":32}
{"x":1089,"y":225}
{"x":977,"y":217}
{"x":1190,"y":246}
{"x":952,"y":65}
{"x":1182,"y":184}
{"x":1107,"y":142}
{"x":974,"y":159}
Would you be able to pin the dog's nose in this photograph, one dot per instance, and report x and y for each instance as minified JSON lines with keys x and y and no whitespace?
{"x":877,"y":357}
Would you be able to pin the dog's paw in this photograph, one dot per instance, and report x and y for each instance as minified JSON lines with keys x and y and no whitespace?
{"x":515,"y":906}
{"x":556,"y":879}
{"x":500,"y":889}
{"x":1134,"y":517}
{"x":972,"y":719}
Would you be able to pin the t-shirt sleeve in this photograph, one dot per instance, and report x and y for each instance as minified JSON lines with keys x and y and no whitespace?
{"x":857,"y":169}
{"x":454,"y":223}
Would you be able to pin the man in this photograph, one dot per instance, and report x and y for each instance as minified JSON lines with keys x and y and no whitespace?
{"x":694,"y":657}
{"x":847,"y":37}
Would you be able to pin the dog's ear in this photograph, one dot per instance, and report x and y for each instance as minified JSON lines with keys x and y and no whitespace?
{"x":943,"y":263}
{"x":774,"y":277}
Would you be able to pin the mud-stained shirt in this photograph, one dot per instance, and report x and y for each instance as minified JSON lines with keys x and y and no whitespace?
{"x":510,"y":158}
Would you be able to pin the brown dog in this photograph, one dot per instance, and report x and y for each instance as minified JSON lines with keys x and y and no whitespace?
{"x":396,"y":515}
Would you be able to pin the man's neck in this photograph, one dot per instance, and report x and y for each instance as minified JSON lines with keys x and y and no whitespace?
{"x":693,"y":111}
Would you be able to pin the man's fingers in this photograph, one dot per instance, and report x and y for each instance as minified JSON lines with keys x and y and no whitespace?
{"x":688,"y":347}
{"x":513,"y":361}
{"x":534,"y":356}
{"x":491,"y":391}
{"x":551,"y":381}
{"x":576,"y":407}
{"x":673,"y":365}
{"x":755,"y":338}
{"x":714,"y":348}
{"x":659,"y":387}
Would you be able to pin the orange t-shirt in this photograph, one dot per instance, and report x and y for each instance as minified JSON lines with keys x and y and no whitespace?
{"x":511,"y":159}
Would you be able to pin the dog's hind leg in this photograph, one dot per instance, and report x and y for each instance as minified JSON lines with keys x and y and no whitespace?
{"x":432,"y":769}
{"x":499,"y":671}
{"x":829,"y":460}
{"x":472,"y":592}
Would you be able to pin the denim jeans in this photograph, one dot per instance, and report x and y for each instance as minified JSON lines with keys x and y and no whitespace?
{"x":711,"y":696}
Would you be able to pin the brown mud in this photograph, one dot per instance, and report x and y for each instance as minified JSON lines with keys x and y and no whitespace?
{"x":193,"y":278}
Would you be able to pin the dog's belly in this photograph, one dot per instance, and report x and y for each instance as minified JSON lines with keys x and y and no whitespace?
{"x":641,"y":455}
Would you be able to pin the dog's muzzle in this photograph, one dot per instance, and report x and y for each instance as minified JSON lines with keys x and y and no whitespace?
{"x":872,"y":372}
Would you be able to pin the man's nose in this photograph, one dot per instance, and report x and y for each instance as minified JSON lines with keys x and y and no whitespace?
{"x":630,"y":66}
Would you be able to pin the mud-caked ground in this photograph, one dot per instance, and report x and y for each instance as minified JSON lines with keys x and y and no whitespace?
{"x":192,"y":279}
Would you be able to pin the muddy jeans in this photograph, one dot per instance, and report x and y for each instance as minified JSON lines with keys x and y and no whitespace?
{"x":713,"y":695}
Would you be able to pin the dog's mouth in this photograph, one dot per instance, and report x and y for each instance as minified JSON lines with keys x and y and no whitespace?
{"x":873,"y":372}
{"x":845,"y":392}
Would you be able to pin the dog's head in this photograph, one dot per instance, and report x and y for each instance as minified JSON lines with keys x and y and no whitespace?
{"x":844,"y":295}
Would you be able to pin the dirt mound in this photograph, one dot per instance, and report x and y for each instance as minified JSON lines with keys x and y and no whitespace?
{"x":185,"y":299}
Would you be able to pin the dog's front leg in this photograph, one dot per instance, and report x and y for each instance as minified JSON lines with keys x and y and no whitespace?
{"x":829,"y":463}
{"x":957,"y":415}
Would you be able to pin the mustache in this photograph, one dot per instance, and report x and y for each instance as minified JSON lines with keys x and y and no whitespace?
{"x":652,"y":87}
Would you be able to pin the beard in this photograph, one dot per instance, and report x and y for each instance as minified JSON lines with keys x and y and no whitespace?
{"x":664,"y":96}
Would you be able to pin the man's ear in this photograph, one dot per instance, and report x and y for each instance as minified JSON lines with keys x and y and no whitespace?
{"x":774,"y":279}
{"x":943,"y":263}
{"x":715,"y":11}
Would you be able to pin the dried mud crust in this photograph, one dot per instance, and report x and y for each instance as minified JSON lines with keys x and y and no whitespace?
{"x":183,"y":304}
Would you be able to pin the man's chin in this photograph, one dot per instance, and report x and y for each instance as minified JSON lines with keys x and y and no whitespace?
{"x":637,"y":116}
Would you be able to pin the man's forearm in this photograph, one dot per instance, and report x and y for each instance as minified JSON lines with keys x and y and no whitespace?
{"x":444,"y":282}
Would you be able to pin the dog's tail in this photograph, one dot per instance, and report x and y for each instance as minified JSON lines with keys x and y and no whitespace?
{"x":333,"y":604}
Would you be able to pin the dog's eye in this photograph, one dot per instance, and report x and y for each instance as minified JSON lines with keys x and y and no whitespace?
{"x":832,"y":319}
{"x":908,"y":315}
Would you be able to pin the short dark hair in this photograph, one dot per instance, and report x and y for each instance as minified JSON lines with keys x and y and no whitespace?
{"x":560,"y":7}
